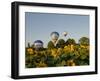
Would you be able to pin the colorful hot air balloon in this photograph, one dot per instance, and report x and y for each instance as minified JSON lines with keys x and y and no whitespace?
{"x":54,"y":36}
{"x":65,"y":33}
{"x":38,"y":44}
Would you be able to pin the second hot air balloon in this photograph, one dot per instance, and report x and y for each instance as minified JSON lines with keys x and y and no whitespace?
{"x":54,"y":36}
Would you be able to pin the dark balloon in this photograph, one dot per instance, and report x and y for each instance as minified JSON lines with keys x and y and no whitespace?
{"x":38,"y":41}
{"x":38,"y":44}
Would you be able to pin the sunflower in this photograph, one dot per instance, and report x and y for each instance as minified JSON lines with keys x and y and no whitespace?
{"x":30,"y":51}
{"x":41,"y":64}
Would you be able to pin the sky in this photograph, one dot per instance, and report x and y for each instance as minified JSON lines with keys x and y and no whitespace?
{"x":38,"y":26}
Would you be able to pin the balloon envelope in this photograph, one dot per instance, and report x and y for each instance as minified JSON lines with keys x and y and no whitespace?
{"x":54,"y":35}
{"x":65,"y":33}
{"x":38,"y":44}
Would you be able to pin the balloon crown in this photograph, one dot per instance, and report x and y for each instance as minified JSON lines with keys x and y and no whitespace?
{"x":55,"y":33}
{"x":38,"y":41}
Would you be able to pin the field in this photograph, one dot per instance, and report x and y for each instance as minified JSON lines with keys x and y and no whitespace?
{"x":65,"y":53}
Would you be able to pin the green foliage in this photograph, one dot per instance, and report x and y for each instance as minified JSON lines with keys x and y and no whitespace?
{"x":50,"y":45}
{"x":84,"y":41}
{"x":70,"y":41}
{"x":58,"y":56}
{"x":61,"y":43}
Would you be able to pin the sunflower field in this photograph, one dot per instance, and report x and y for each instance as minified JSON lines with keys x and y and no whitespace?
{"x":68,"y":55}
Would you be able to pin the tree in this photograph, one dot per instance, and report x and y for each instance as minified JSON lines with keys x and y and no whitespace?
{"x":50,"y":45}
{"x":33,"y":46}
{"x":61,"y":43}
{"x":70,"y":42}
{"x":84,"y":41}
{"x":29,"y":45}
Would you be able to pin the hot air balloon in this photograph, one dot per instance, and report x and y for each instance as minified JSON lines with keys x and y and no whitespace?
{"x":54,"y":36}
{"x":65,"y":33}
{"x":38,"y":44}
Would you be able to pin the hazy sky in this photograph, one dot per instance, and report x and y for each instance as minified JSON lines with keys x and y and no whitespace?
{"x":38,"y":26}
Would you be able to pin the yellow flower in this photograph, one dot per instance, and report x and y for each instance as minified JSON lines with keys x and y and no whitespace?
{"x":82,"y":46}
{"x":54,"y":52}
{"x":67,"y":49}
{"x":73,"y":64}
{"x":41,"y":64}
{"x":30,"y":51}
{"x":88,"y":47}
{"x":59,"y":51}
{"x":72,"y":47}
{"x":70,"y":63}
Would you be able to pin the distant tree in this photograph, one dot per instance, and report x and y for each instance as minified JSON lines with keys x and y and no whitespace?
{"x":84,"y":41}
{"x":29,"y":45}
{"x":50,"y":45}
{"x":61,"y":43}
{"x":32,"y":46}
{"x":70,"y":42}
